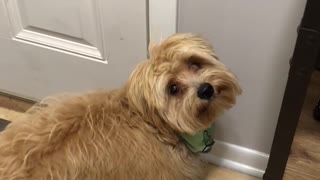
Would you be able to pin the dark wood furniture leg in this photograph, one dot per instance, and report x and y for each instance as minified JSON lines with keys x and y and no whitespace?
{"x":302,"y":65}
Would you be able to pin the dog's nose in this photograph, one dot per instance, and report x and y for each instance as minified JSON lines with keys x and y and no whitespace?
{"x":205,"y":91}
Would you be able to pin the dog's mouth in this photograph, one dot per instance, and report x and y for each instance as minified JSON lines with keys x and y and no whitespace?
{"x":203,"y":109}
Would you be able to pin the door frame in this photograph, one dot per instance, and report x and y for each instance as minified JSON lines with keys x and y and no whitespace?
{"x":302,"y":65}
{"x":162,"y":19}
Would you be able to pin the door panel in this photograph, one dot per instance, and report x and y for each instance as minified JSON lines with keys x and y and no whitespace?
{"x":71,"y":25}
{"x":54,"y":46}
{"x":4,"y":23}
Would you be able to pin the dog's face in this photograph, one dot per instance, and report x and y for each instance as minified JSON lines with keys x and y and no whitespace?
{"x":183,"y":83}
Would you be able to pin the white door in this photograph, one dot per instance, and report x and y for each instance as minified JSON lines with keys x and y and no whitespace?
{"x":53,"y":46}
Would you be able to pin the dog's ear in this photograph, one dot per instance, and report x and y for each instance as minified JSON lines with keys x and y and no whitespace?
{"x":139,"y":87}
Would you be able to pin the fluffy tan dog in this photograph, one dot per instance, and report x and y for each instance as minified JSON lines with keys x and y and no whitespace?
{"x":128,"y":133}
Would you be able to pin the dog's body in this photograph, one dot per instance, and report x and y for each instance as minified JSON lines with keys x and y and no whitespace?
{"x":92,"y":136}
{"x":128,"y":133}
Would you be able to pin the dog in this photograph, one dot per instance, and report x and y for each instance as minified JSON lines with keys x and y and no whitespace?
{"x":128,"y":133}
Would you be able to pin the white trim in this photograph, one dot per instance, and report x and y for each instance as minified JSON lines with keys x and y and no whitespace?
{"x":59,"y":43}
{"x":163,"y":16}
{"x":81,"y":46}
{"x":81,"y":55}
{"x":238,"y":158}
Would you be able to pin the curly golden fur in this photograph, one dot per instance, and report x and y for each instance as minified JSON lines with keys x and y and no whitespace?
{"x":127,"y":133}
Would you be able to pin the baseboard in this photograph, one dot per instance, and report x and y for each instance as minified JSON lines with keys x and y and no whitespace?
{"x":18,"y":96}
{"x":238,"y":158}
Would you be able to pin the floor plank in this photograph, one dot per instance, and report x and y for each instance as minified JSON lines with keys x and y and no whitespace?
{"x":9,"y":114}
{"x":14,"y":104}
{"x":304,"y":161}
{"x":220,"y":173}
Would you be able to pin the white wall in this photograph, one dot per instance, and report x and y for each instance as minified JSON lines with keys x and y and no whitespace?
{"x":255,"y":39}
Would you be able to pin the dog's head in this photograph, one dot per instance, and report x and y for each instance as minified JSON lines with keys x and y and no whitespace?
{"x":183,"y":83}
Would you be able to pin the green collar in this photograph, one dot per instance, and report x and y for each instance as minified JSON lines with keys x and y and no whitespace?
{"x":201,"y":142}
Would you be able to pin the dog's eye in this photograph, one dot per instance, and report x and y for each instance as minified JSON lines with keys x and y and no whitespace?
{"x":173,"y":89}
{"x":194,"y":66}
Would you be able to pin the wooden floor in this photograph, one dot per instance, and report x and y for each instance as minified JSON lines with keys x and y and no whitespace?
{"x":304,"y":161}
{"x":11,"y":108}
